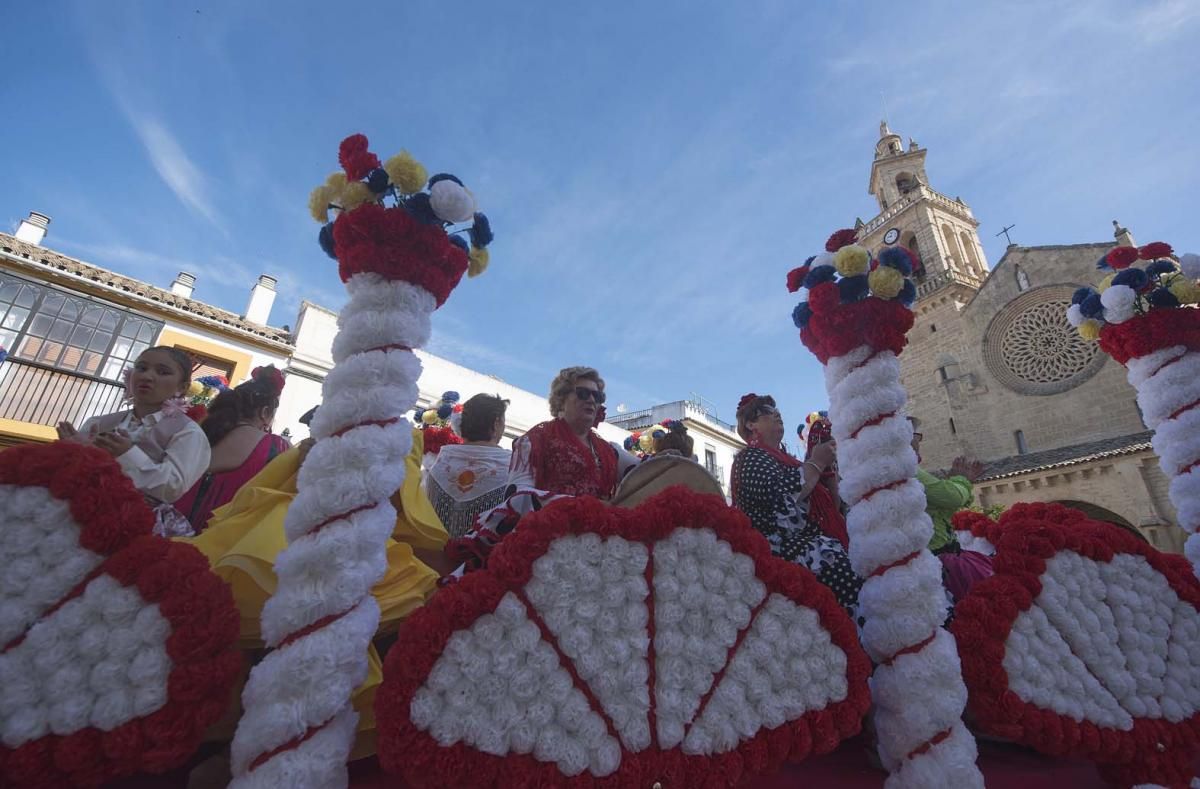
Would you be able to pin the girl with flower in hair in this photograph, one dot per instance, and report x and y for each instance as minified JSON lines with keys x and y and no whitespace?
{"x":785,"y":501}
{"x":156,"y":444}
{"x":238,"y":428}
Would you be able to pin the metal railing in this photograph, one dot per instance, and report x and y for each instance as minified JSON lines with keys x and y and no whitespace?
{"x":38,"y":394}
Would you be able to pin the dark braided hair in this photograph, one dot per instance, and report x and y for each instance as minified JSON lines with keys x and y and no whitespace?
{"x":242,"y":402}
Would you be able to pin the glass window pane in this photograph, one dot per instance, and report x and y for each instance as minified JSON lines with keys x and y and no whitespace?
{"x":130,"y":327}
{"x":70,"y":309}
{"x":9,"y":291}
{"x":70,"y":358}
{"x":15,"y":318}
{"x":49,"y":352}
{"x":28,"y":295}
{"x":7,"y":337}
{"x":80,"y":336}
{"x":29,"y":347}
{"x":61,"y":330}
{"x":137,"y":349}
{"x":41,"y":325}
{"x":146,"y":333}
{"x":100,"y":341}
{"x":109,"y":321}
{"x":121,"y":348}
{"x":52,"y":303}
{"x":91,"y":363}
{"x":91,"y":316}
{"x":112,"y":369}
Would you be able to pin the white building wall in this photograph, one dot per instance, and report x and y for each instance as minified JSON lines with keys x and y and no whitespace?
{"x":315,"y":329}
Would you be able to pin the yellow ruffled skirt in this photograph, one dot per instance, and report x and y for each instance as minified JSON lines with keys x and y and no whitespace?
{"x":244,"y":536}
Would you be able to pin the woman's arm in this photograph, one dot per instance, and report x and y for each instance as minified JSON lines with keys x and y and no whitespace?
{"x":185,"y":460}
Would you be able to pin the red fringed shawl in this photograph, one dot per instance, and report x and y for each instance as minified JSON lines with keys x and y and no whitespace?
{"x":563,"y":464}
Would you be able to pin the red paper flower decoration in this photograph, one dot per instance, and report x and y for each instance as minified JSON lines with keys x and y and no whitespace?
{"x":354,"y":157}
{"x":1154,"y":250}
{"x":125,"y":652}
{"x":878,"y":323}
{"x":391,"y":243}
{"x":795,"y":278}
{"x":824,"y":298}
{"x":437,"y":437}
{"x":1149,"y":332}
{"x":1121,"y":257}
{"x":1086,"y":642}
{"x":841,"y":238}
{"x":612,"y":647}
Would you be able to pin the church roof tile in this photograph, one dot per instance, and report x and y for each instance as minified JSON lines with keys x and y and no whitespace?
{"x":1066,"y":456}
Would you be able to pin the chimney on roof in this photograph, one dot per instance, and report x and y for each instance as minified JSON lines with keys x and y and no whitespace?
{"x":262,"y":296}
{"x":184,"y":284}
{"x":33,"y":229}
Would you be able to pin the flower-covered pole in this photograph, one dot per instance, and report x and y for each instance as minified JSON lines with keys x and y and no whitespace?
{"x":853,"y":316}
{"x":399,"y":265}
{"x":1145,"y":317}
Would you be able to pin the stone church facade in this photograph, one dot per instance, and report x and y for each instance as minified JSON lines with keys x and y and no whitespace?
{"x":995,"y":372}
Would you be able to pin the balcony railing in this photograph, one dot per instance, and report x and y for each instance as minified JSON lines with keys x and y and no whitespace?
{"x":35,"y":393}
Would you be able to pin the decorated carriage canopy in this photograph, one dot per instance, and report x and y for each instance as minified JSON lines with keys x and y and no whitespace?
{"x":655,"y":644}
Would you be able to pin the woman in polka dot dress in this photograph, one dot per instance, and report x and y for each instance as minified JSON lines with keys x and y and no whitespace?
{"x":778,"y":492}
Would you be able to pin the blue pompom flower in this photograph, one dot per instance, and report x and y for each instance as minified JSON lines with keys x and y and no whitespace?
{"x":1079,"y":295}
{"x":818,"y":275}
{"x":377,"y":180}
{"x":444,"y":177}
{"x":853,"y":289}
{"x":801,"y":314}
{"x":896,"y":258}
{"x":1135,"y":278}
{"x":325,"y":239}
{"x":422,"y":209}
{"x":908,"y":294}
{"x":481,"y":231}
{"x":1161,"y":297}
{"x":1160,"y":267}
{"x":445,"y":410}
{"x":1091,"y":306}
{"x":451,"y":397}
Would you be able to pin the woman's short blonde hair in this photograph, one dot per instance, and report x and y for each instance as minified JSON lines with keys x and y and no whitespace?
{"x":564,"y":383}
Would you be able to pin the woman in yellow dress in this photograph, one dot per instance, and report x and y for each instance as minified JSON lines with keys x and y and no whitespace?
{"x":244,"y":536}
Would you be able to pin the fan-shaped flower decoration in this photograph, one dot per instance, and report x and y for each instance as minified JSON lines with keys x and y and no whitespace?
{"x":1086,"y":642}
{"x":117,"y":648}
{"x":661,"y":645}
{"x":1159,"y":344}
{"x":917,"y":686}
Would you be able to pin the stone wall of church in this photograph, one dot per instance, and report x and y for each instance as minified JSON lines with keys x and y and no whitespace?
{"x":1131,"y":487}
{"x":1016,"y":370}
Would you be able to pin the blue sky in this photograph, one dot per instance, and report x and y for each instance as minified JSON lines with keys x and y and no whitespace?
{"x":652,"y":170}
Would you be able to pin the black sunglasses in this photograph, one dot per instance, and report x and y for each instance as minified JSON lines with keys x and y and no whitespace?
{"x":583,"y":393}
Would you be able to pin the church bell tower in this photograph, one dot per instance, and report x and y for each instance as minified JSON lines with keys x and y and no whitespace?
{"x":940,"y":230}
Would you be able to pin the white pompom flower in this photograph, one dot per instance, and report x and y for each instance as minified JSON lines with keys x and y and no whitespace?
{"x":1189,"y":263}
{"x":1074,"y":315}
{"x":1118,"y":302}
{"x":451,"y":202}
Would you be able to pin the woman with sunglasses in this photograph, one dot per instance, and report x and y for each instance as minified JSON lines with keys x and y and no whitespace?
{"x":779,"y":493}
{"x":563,"y":456}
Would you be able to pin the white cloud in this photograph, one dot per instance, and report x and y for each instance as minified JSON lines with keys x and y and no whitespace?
{"x":174,"y":166}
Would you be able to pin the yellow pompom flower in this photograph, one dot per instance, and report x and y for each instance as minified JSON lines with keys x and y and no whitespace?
{"x":885,"y":281}
{"x":851,"y":260}
{"x":1089,"y":329}
{"x":355,"y":194}
{"x":646,"y":442}
{"x":1187,"y":291}
{"x":318,"y":203}
{"x":406,"y":173}
{"x":429,"y":417}
{"x":1106,"y":282}
{"x":195,"y":388}
{"x":478,"y":262}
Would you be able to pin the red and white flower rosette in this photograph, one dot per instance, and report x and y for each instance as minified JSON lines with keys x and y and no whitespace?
{"x":917,"y":686}
{"x":1161,"y":353}
{"x":117,"y":648}
{"x":660,"y":646}
{"x":1086,"y":643}
{"x":399,"y":265}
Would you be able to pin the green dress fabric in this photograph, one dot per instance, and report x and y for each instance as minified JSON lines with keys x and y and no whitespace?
{"x":943,"y":498}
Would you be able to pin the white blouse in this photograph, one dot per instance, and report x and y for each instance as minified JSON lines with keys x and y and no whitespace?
{"x":185,"y":460}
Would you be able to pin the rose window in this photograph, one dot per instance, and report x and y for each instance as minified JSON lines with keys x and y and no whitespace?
{"x":1032,"y":349}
